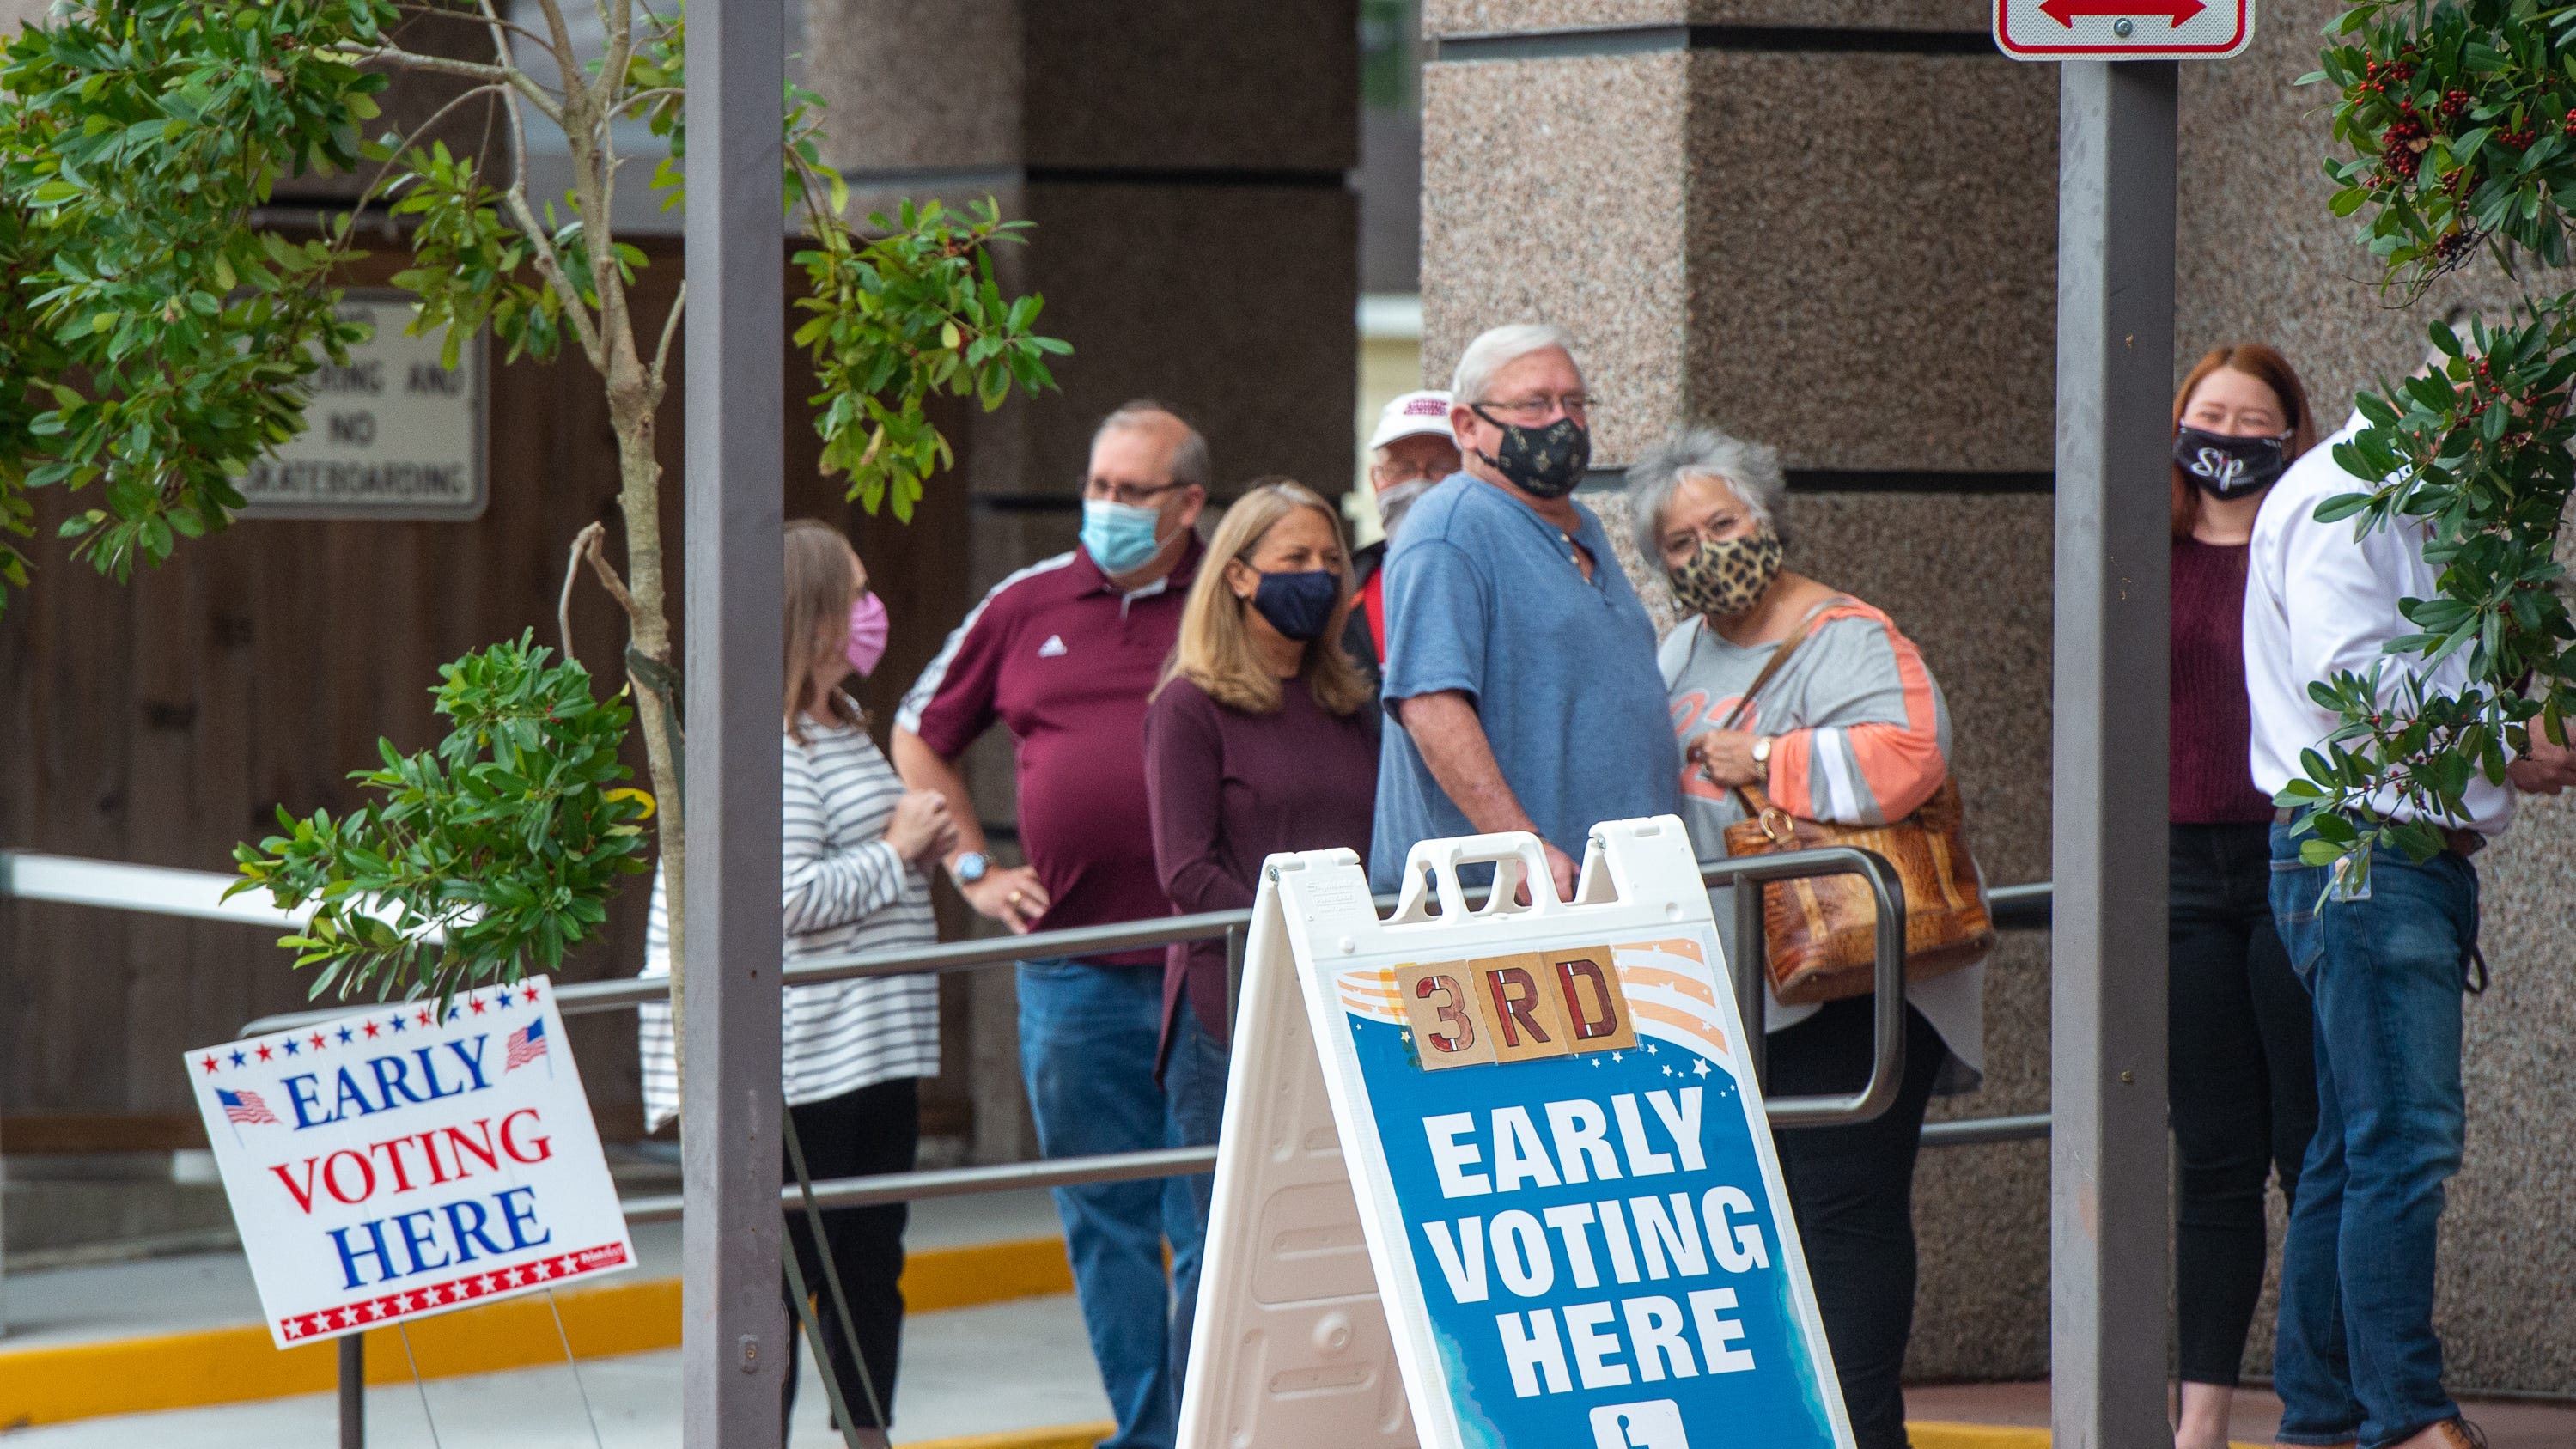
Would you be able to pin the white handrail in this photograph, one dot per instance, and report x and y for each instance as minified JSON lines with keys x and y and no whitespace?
{"x":155,"y":889}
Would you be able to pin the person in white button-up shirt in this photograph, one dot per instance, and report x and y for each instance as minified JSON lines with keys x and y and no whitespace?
{"x":2386,"y":964}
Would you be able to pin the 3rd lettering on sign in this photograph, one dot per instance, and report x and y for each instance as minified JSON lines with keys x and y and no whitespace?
{"x":409,"y":1161}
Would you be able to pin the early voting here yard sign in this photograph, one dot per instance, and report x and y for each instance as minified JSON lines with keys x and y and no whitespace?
{"x":1500,"y":1178}
{"x":403,"y":1162}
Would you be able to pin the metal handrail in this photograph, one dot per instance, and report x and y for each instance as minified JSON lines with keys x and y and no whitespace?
{"x":116,"y":885}
{"x":1053,"y":1172}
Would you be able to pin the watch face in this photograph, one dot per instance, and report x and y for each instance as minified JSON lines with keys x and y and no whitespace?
{"x":970,"y":867}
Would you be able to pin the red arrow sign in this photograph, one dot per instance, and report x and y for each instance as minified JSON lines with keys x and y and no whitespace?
{"x":2174,"y":11}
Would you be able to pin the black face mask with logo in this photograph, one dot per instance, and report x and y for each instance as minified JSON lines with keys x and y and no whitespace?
{"x":1542,"y":462}
{"x":2229,"y":467}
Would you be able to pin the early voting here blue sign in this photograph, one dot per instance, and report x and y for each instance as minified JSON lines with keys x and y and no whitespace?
{"x":1556,"y":1159}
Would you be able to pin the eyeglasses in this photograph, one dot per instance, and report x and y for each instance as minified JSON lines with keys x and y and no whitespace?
{"x":1394,"y":472}
{"x":1532,"y":411}
{"x":1134,"y":495}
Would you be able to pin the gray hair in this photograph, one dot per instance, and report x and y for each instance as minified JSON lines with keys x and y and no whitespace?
{"x":1496,"y":348}
{"x":1189,"y":460}
{"x":1751,"y":470}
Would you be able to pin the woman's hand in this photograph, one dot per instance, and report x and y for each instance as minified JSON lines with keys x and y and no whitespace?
{"x":1012,"y":897}
{"x":920,"y":830}
{"x":1725,"y":758}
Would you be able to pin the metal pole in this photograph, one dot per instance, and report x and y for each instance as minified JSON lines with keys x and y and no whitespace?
{"x":353,"y":1392}
{"x":733,"y":1337}
{"x":2108,"y":1203}
{"x":1751,"y":965}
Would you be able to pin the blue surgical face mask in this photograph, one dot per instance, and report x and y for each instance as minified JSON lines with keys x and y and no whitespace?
{"x":1298,"y":605}
{"x":1120,"y":537}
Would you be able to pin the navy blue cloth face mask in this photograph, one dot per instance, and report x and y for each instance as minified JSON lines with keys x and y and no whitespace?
{"x":1298,"y":605}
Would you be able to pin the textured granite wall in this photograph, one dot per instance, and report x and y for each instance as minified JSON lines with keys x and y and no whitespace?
{"x":1850,"y":255}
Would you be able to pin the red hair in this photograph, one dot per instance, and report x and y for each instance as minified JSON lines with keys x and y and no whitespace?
{"x":2263,"y":364}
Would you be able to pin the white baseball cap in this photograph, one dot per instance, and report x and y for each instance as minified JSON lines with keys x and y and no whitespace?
{"x":1412,"y":414}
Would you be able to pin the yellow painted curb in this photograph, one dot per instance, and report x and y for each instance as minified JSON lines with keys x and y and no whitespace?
{"x":1063,"y":1436}
{"x":1937,"y":1435}
{"x":50,"y":1384}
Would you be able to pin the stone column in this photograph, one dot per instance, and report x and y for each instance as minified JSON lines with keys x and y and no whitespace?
{"x":1830,"y":227}
{"x":1196,"y":242}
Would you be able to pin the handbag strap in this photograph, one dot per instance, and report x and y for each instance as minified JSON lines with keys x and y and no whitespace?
{"x":1774,"y":664}
{"x":1751,"y":798}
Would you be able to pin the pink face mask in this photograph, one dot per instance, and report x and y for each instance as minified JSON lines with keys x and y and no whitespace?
{"x":867,"y":633}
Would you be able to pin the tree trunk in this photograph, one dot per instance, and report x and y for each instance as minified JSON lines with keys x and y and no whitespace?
{"x":632,"y":398}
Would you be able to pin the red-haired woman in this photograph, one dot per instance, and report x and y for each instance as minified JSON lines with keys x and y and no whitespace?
{"x":2242,"y":1086}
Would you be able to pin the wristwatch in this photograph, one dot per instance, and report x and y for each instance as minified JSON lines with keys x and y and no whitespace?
{"x":969,"y":868}
{"x":1762,"y":750}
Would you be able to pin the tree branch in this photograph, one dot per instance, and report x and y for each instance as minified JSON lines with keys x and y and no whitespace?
{"x":670,"y":329}
{"x":508,"y":75}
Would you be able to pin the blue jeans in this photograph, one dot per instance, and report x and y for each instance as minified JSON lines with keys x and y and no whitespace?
{"x":2357,"y":1358}
{"x":1087,"y":1038}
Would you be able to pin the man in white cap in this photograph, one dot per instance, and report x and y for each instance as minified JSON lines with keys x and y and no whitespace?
{"x":1411,"y":450}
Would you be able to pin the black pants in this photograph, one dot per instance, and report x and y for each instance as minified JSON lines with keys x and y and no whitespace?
{"x":1852,"y":1189}
{"x":874,"y":1129}
{"x":2241,"y":1084}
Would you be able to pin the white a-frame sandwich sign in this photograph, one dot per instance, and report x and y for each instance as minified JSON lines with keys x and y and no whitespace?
{"x":1500,"y":1178}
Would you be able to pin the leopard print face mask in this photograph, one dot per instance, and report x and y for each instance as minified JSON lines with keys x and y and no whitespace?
{"x":1729,"y":575}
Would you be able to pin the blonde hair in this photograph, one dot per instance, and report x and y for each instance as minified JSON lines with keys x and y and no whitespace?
{"x":1215,"y":650}
{"x":821,"y":589}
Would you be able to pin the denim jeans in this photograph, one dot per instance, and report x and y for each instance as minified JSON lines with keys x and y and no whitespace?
{"x":1087,"y":1039}
{"x":2358,"y":1359}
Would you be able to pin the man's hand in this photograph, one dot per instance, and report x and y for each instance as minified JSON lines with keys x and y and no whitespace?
{"x":2544,"y":769}
{"x":1012,"y":897}
{"x":1562,"y":868}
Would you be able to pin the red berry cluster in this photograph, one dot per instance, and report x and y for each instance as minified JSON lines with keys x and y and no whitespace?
{"x":2454,"y":105}
{"x":2379,"y":75}
{"x":2451,"y":248}
{"x":2517,"y":140}
{"x":2569,"y":126}
{"x":2401,"y":147}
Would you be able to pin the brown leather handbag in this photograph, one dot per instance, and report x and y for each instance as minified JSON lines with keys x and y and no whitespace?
{"x":1819,"y":933}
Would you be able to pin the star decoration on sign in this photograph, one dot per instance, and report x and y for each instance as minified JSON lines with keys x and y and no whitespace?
{"x":1652,"y":1049}
{"x":209,"y":1065}
{"x":292,"y":1046}
{"x":502,"y":1001}
{"x":422,"y":1016}
{"x":396,"y":1022}
{"x":1668,"y":1071}
{"x":347,"y":1035}
{"x":1702,"y":1068}
{"x":371,"y":1031}
{"x":318,"y":1043}
{"x":477,"y":1004}
{"x":530,"y":993}
{"x":263,"y":1052}
{"x":237,"y":1056}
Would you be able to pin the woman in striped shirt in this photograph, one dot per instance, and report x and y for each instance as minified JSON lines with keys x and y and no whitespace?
{"x":857,"y":851}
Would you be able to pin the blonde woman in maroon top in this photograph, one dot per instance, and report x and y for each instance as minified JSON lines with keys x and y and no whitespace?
{"x":2242,"y":1086}
{"x":1256,"y":742}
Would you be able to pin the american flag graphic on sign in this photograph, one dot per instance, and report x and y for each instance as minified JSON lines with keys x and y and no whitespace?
{"x":526,"y":1045}
{"x":243,"y":1107}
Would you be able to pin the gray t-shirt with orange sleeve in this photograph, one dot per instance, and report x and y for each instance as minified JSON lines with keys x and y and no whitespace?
{"x":1862,"y":737}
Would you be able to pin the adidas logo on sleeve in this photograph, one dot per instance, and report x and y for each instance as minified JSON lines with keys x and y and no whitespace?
{"x":1053,"y":648}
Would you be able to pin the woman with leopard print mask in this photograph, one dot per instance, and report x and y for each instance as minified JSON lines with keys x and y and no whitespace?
{"x":1852,"y":729}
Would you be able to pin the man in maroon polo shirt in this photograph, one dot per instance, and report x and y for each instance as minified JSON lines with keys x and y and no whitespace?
{"x":1064,"y":653}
